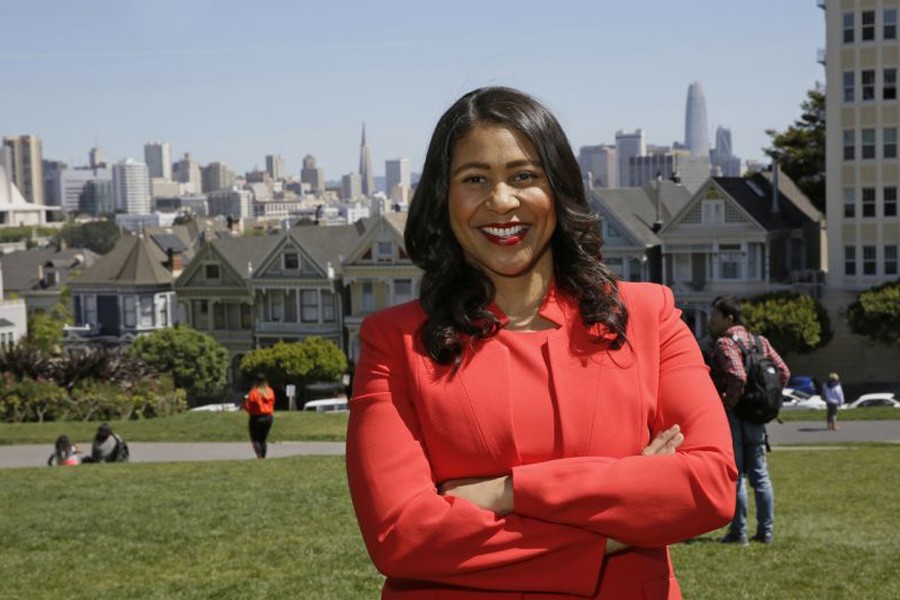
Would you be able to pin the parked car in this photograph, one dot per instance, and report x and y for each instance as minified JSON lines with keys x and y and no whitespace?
{"x":876,"y":399}
{"x":803,"y":383}
{"x":796,"y":400}
{"x":327,"y":405}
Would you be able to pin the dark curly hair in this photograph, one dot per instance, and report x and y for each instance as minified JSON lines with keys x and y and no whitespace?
{"x":456,"y":295}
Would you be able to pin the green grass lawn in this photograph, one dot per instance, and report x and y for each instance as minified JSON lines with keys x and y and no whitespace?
{"x":186,"y":427}
{"x":289,"y":426}
{"x":284,"y":528}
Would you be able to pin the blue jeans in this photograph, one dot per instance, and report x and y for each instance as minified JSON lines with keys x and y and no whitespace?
{"x":750,"y":455}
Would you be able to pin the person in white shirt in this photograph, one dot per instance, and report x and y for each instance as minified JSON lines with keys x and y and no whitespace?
{"x":833,"y":394}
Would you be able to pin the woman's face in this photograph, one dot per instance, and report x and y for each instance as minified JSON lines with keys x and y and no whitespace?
{"x":500,"y":203}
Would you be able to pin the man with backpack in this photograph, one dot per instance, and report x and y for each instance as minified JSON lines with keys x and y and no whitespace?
{"x":749,"y":375}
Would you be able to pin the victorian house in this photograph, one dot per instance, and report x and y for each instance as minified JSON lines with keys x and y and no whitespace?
{"x":377,"y":273}
{"x":742,"y":236}
{"x":39,"y":275}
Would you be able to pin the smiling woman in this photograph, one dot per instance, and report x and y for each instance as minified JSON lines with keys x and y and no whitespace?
{"x":531,"y":426}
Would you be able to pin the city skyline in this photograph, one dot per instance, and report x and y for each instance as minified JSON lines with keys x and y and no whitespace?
{"x":127,"y":74}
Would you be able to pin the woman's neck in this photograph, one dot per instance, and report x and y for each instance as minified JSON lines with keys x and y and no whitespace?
{"x":521,"y":297}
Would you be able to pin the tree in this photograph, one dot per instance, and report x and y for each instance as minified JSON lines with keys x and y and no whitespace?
{"x":97,"y":236}
{"x":314,"y":359}
{"x":876,"y":314}
{"x":197,"y":362}
{"x":793,"y":322}
{"x":45,"y":330}
{"x":800,"y":149}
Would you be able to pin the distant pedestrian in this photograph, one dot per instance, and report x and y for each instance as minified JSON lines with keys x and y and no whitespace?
{"x":107,"y":446}
{"x":65,"y":453}
{"x":260,"y":404}
{"x":833,"y":394}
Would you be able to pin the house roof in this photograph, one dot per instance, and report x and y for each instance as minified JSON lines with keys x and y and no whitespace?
{"x":133,"y":261}
{"x":20,"y":268}
{"x":328,"y":244}
{"x":754,"y":194}
{"x":244,"y":252}
{"x":635,"y":208}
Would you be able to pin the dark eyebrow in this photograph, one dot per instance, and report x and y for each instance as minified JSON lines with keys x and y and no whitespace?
{"x":484,"y":166}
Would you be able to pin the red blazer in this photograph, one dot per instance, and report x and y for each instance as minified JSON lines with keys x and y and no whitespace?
{"x":413,"y":424}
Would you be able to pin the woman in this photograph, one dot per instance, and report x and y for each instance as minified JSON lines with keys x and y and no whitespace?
{"x":511,"y":434}
{"x":260,"y":403}
{"x":833,"y":394}
{"x":65,"y":453}
{"x":108,"y":446}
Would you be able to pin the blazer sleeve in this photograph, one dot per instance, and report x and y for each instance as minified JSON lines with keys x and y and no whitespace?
{"x":412,"y":532}
{"x":648,"y":500}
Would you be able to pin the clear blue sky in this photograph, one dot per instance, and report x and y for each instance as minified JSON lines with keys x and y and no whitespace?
{"x":234,"y":81}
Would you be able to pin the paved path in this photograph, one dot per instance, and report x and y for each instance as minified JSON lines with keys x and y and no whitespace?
{"x":781,"y":435}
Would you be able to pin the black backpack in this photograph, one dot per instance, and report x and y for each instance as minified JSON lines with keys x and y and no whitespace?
{"x":762,"y":398}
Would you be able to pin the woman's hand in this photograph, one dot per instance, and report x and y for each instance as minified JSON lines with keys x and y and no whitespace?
{"x":491,"y":493}
{"x":665,"y":442}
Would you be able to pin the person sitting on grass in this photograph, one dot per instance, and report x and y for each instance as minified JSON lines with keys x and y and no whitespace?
{"x":108,"y":446}
{"x":65,"y":453}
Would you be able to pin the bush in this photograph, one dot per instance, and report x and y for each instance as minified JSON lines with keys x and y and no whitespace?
{"x":30,"y":400}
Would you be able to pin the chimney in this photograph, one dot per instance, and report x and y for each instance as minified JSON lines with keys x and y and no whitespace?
{"x":174,"y":261}
{"x":776,"y":207}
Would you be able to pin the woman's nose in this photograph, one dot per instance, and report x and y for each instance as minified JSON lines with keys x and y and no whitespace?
{"x":503,"y":198}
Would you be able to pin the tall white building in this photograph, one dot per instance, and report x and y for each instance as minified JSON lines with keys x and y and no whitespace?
{"x":696,"y":134}
{"x":365,"y":166}
{"x":397,"y":179}
{"x":599,"y":162}
{"x":275,"y":166}
{"x":187,"y":171}
{"x":131,"y":187}
{"x":628,"y":145}
{"x":351,"y":186}
{"x":158,"y":160}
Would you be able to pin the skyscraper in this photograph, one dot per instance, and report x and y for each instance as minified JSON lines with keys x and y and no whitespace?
{"x":351,"y":186}
{"x":158,"y":159}
{"x":97,"y":158}
{"x":131,"y":187}
{"x":275,"y":166}
{"x":600,"y":163}
{"x":312,"y":175}
{"x":365,"y":166}
{"x":397,"y":179}
{"x":627,"y":146}
{"x":187,"y":171}
{"x":26,"y":166}
{"x":696,"y":135}
{"x":722,"y":155}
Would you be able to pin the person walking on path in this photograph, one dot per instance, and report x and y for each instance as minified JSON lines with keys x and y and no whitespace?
{"x":833,"y":395}
{"x":749,"y":439}
{"x":260,"y":404}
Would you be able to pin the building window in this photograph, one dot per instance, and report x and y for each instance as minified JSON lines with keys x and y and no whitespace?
{"x":682,"y":267}
{"x":616,"y":265}
{"x":219,"y":316}
{"x":868,"y":202}
{"x":211,"y":272}
{"x":276,"y":305}
{"x":849,"y":144}
{"x":730,"y":259}
{"x":90,"y":310}
{"x":384,"y":251}
{"x":890,"y":24}
{"x":147,"y":310}
{"x":849,"y":260}
{"x":849,"y":83}
{"x":246,"y":316}
{"x":634,"y":270}
{"x":868,"y":84}
{"x":291,"y":261}
{"x":890,"y":260}
{"x":309,"y":306}
{"x":868,"y":26}
{"x":162,"y":311}
{"x":130,"y":311}
{"x":327,"y":306}
{"x":867,"y":149}
{"x":403,"y":290}
{"x":849,"y":25}
{"x":290,"y":306}
{"x":200,"y":314}
{"x":368,"y":296}
{"x":849,"y":203}
{"x":890,"y":142}
{"x":870,"y":264}
{"x":889,"y":90}
{"x":713,"y":212}
{"x":890,"y":201}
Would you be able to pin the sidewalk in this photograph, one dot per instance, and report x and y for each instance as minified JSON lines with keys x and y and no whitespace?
{"x":781,"y":436}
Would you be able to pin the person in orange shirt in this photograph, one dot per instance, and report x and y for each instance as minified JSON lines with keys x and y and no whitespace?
{"x":260,"y":403}
{"x":530,"y":427}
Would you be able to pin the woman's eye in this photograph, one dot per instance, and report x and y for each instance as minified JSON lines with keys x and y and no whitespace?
{"x":525,"y":176}
{"x":474,"y":179}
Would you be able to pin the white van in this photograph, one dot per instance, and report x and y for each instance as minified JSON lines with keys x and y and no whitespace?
{"x":327,"y":405}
